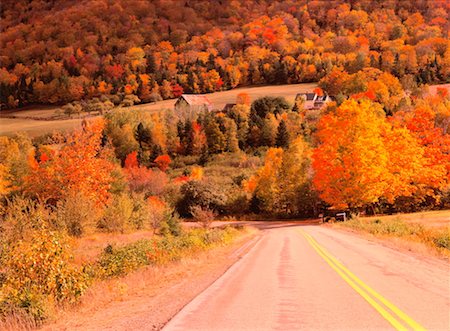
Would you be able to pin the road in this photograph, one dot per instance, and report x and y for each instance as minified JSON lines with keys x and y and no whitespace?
{"x":318,"y":278}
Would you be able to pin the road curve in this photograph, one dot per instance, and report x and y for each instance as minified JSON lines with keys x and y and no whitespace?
{"x":317,"y":278}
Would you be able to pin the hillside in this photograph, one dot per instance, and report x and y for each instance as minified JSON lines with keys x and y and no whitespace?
{"x":54,"y":52}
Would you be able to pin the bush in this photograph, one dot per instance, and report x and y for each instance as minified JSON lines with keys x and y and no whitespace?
{"x":205,"y":216}
{"x":38,"y":272}
{"x":171,"y":224}
{"x":23,"y":216}
{"x":118,"y":214}
{"x":199,"y":193}
{"x":76,"y":214}
{"x":118,"y":261}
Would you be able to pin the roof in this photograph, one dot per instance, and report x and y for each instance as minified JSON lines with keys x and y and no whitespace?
{"x":196,"y":99}
{"x":306,"y":96}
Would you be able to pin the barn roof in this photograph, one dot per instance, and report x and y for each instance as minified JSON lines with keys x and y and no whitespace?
{"x":196,"y":99}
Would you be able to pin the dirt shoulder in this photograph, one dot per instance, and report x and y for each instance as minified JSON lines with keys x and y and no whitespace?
{"x":148,"y":298}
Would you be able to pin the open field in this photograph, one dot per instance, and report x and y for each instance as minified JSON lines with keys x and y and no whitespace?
{"x":9,"y":126}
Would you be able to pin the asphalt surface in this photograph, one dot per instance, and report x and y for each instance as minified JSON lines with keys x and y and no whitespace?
{"x":317,"y":278}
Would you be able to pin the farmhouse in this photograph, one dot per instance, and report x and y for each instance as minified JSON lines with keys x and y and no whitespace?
{"x":194,"y":102}
{"x":313,"y":100}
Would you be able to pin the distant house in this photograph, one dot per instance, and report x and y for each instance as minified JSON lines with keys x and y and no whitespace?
{"x":193,"y":102}
{"x":313,"y":100}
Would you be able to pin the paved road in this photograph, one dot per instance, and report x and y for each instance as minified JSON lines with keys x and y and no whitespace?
{"x":317,"y":278}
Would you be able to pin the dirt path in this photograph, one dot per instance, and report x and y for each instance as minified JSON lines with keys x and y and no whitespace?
{"x":317,"y":278}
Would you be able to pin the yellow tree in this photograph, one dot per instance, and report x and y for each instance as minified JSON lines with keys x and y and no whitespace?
{"x":406,"y":163}
{"x":350,"y":163}
{"x":264,"y":184}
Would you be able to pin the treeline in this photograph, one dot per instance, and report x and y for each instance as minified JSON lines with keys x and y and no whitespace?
{"x":58,"y":52}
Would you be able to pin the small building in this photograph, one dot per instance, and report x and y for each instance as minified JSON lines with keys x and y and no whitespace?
{"x":313,"y":100}
{"x":194,"y":102}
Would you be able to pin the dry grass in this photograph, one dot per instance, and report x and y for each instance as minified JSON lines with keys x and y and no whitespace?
{"x":88,"y":248}
{"x":9,"y":126}
{"x":425,"y":232}
{"x":430,"y":219}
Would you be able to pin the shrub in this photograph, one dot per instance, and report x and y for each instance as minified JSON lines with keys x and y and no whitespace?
{"x":171,"y":224}
{"x":157,"y":212}
{"x":205,"y":216}
{"x":200,"y":193}
{"x":76,"y":214}
{"x":118,"y":261}
{"x":22,"y":217}
{"x":117,"y":214}
{"x":38,"y":271}
{"x":140,"y":214}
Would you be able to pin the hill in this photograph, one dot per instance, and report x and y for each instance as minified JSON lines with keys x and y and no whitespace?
{"x":54,"y":52}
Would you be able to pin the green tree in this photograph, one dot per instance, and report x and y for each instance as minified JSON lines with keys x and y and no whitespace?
{"x":282,"y":139}
{"x":215,"y":137}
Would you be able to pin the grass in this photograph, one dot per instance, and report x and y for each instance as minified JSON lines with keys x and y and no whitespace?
{"x":429,"y":219}
{"x":429,"y":228}
{"x":34,"y":128}
{"x":115,"y":261}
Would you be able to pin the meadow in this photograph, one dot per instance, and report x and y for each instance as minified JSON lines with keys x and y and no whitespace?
{"x":30,"y":120}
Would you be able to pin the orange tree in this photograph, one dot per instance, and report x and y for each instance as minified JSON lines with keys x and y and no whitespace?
{"x":350,"y":163}
{"x":77,"y":166}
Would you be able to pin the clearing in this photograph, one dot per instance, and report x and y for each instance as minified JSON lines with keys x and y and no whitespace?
{"x":36,"y":121}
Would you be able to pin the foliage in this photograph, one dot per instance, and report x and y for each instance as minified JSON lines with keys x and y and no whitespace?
{"x":118,"y":214}
{"x":55,"y":59}
{"x":76,"y":214}
{"x":38,"y":271}
{"x":77,"y":166}
{"x":278,"y":186}
{"x":142,"y":179}
{"x":200,"y":193}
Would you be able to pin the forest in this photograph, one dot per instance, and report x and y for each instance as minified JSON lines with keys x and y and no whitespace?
{"x":381,"y":145}
{"x":55,"y":52}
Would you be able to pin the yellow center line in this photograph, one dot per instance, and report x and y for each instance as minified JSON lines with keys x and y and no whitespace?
{"x":364,"y":290}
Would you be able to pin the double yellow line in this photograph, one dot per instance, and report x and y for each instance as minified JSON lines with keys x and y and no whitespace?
{"x":376,"y":300}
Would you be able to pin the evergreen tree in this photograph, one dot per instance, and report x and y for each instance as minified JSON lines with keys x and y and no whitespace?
{"x":282,"y":139}
{"x":281,"y":73}
{"x":143,"y":136}
{"x":188,"y":137}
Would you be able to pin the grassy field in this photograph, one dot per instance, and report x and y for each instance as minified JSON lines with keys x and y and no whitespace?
{"x":23,"y":122}
{"x":431,"y":219}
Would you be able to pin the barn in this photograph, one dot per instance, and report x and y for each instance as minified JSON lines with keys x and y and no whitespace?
{"x":194,"y":102}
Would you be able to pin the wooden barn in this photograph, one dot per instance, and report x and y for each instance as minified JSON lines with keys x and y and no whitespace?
{"x":194,"y":102}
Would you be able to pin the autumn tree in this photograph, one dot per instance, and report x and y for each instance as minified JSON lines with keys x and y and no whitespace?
{"x":351,"y":162}
{"x":78,"y":166}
